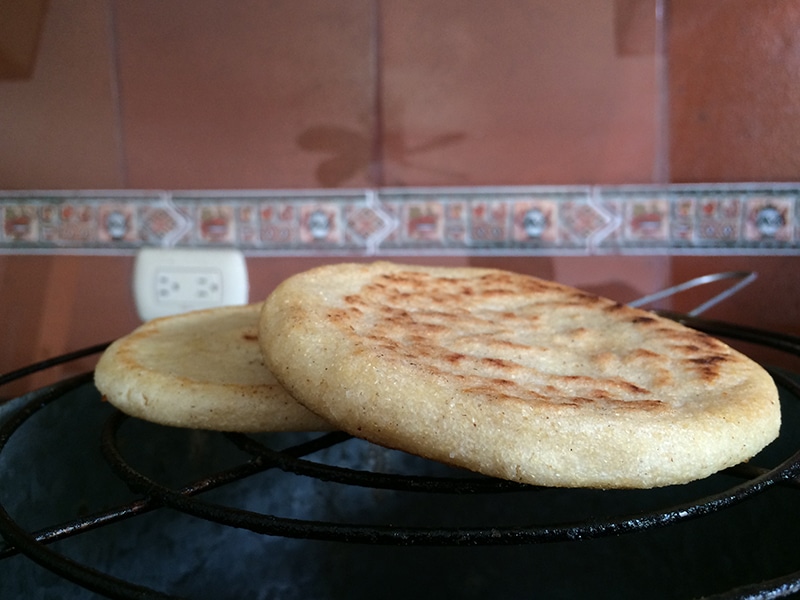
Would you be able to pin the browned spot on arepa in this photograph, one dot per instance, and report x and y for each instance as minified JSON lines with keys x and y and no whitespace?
{"x":468,"y":327}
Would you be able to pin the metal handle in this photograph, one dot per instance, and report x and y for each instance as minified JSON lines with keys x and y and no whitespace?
{"x":745,"y":278}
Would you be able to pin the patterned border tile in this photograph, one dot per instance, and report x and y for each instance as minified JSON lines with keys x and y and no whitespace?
{"x":709,"y":219}
{"x":538,"y":220}
{"x":491,"y":220}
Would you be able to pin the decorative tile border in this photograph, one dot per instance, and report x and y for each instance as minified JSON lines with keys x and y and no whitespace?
{"x":705,"y":219}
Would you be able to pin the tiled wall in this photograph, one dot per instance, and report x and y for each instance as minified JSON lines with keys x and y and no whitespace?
{"x":203,"y":94}
{"x":619,"y":145}
{"x":314,"y":97}
{"x":311,"y":94}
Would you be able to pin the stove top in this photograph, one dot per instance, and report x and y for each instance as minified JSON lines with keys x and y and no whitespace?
{"x":93,"y":502}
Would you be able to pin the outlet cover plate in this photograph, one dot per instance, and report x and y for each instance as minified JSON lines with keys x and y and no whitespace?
{"x":169,"y":281}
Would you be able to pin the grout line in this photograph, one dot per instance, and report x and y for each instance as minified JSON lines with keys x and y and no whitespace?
{"x":52,"y":331}
{"x":390,"y":224}
{"x":116,"y":94}
{"x":661,"y":166}
{"x":613,"y":221}
{"x":376,"y":168}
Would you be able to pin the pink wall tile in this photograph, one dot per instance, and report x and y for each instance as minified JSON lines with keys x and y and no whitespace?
{"x":734,"y":90}
{"x":478,"y":93}
{"x":636,"y":24}
{"x":247,"y":94}
{"x":20,"y":30}
{"x":58,"y":128}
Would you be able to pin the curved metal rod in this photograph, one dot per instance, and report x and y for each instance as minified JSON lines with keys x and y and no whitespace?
{"x":51,"y":362}
{"x":408,"y":483}
{"x":393,"y":535}
{"x":745,"y":277}
{"x":390,"y":535}
{"x":147,"y":504}
{"x":780,"y":587}
{"x":425,"y":536}
{"x":67,"y":568}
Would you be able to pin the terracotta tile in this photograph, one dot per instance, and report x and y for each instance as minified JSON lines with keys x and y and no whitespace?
{"x":769,"y":303}
{"x":247,"y":94}
{"x":734,"y":111}
{"x":635,"y":25}
{"x":478,"y":93}
{"x":59,"y":127}
{"x":622,"y":278}
{"x":20,"y":29}
{"x":57,"y":304}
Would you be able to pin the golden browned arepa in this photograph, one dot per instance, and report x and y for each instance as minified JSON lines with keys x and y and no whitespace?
{"x":515,"y":377}
{"x":200,"y":370}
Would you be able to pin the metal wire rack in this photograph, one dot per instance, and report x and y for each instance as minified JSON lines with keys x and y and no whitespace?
{"x":648,"y":512}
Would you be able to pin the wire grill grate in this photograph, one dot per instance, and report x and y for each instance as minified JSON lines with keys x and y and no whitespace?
{"x":151,"y":494}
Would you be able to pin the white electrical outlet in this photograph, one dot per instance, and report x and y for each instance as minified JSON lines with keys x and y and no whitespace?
{"x":169,"y":281}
